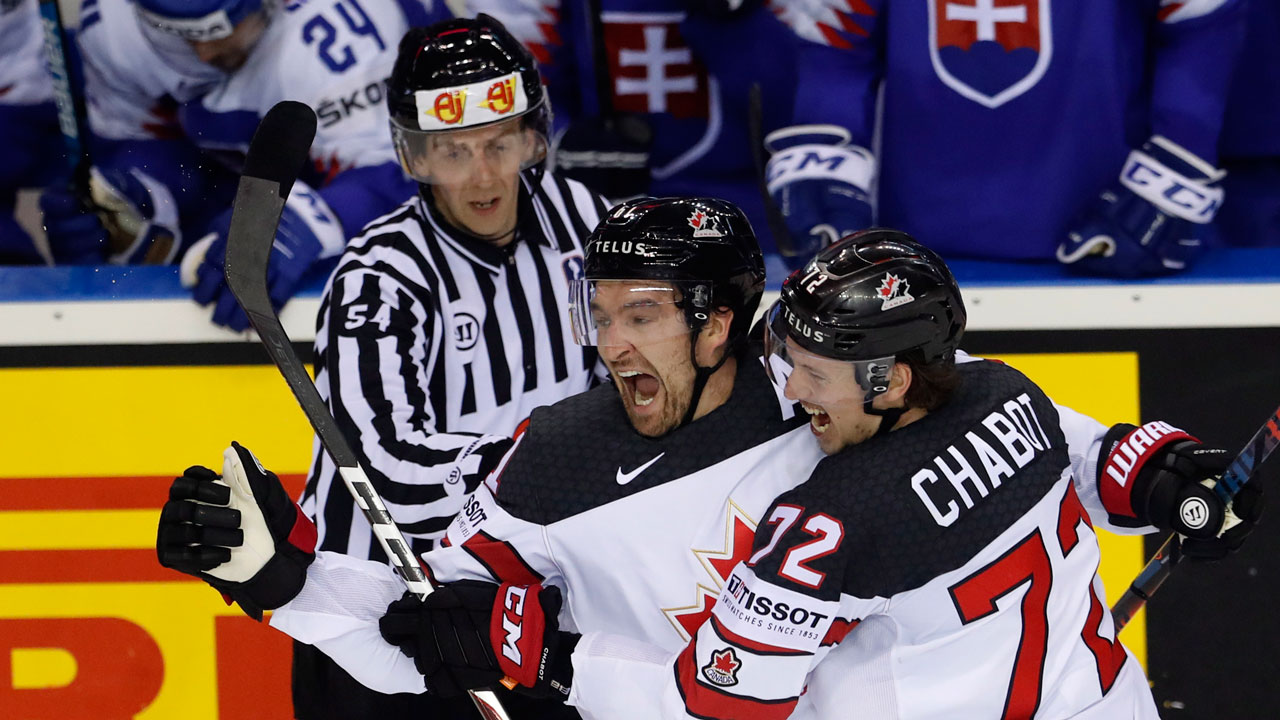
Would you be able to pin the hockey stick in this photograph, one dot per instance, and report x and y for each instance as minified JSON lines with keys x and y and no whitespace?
{"x":68,"y":96}
{"x":755,"y":135}
{"x":1241,"y":471}
{"x":279,"y":148}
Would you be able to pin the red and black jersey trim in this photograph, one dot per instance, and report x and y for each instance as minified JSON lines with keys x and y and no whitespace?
{"x":501,"y":560}
{"x":704,"y":701}
{"x":838,"y":630}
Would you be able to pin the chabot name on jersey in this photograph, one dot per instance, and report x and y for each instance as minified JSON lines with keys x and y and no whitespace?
{"x":332,"y":111}
{"x":959,"y":478}
{"x":773,"y":615}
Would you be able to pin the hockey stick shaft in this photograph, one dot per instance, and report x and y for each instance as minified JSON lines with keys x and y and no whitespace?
{"x":755,"y":134}
{"x":68,"y":97}
{"x":1240,"y":471}
{"x":278,"y":150}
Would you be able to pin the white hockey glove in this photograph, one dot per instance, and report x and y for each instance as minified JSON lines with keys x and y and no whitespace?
{"x":240,"y":532}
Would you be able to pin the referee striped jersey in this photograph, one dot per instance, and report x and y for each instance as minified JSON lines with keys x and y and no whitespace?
{"x":432,"y":346}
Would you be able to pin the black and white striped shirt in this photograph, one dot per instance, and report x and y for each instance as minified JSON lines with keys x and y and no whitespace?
{"x":432,"y":346}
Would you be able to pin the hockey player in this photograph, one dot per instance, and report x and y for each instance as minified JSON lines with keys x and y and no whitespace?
{"x":941,"y":562}
{"x":445,"y":324}
{"x":1084,"y":130}
{"x":633,"y":503}
{"x":175,"y":90}
{"x":651,"y":96}
{"x":29,"y":139}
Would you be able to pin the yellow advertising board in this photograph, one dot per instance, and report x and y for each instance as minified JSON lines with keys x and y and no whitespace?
{"x":92,"y":627}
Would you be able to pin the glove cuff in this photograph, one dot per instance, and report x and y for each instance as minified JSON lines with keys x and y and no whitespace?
{"x":1174,"y":180}
{"x":1121,"y":481}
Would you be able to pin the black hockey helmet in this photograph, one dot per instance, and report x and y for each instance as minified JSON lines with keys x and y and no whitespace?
{"x":463,"y":74}
{"x":703,"y":246}
{"x":869,"y":299}
{"x":697,"y":254}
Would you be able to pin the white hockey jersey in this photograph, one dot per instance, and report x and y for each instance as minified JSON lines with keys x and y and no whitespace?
{"x":640,"y":533}
{"x":947,"y":570}
{"x":333,"y":55}
{"x":23,"y":77}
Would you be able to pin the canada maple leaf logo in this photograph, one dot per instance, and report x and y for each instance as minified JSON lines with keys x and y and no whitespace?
{"x":723,"y":668}
{"x":893,"y":291}
{"x":697,"y":218}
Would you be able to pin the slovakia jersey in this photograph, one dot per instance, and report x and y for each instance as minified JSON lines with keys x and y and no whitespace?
{"x":687,"y":74}
{"x":640,"y":533}
{"x":333,"y":55}
{"x":24,"y":79}
{"x":945,"y":570}
{"x":1002,"y":121}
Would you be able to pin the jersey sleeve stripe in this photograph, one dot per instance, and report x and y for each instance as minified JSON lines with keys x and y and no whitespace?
{"x":501,"y":560}
{"x":838,"y":630}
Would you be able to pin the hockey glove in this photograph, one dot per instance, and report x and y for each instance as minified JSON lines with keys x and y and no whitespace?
{"x":609,"y":155}
{"x":308,"y":232}
{"x":136,"y":221}
{"x":448,"y":638}
{"x":1154,"y":221}
{"x":1159,"y":475}
{"x":469,"y":634}
{"x":820,"y":183}
{"x":239,"y":532}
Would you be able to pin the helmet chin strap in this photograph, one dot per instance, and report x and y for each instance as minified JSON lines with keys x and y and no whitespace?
{"x":888,"y":417}
{"x":701,"y":374}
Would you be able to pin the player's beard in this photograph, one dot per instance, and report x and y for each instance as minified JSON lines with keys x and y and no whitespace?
{"x":675,"y":392}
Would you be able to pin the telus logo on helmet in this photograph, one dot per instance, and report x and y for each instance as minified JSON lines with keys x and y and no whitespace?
{"x":801,"y":327}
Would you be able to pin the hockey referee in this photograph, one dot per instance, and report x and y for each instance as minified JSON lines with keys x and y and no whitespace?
{"x":445,"y":323}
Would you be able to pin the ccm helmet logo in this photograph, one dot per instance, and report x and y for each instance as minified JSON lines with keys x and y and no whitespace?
{"x":512,"y":615}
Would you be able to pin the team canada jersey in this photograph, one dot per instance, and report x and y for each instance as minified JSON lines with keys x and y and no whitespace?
{"x":1003,"y":121}
{"x":640,"y":533}
{"x":946,"y":570}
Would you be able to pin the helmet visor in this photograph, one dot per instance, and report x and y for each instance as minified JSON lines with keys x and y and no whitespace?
{"x":613,"y":313}
{"x":459,"y":157}
{"x":816,"y":378}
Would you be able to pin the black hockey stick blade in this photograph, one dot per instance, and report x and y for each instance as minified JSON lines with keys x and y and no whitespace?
{"x":279,"y":147}
{"x":1240,"y":471}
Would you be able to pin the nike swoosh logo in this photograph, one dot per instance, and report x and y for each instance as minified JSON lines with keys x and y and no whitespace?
{"x":624,"y":478}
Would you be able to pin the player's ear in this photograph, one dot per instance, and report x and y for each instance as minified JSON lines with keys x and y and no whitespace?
{"x":899,"y":382}
{"x":714,"y":337}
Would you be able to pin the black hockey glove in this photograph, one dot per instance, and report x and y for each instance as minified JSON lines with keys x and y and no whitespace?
{"x":458,"y":637}
{"x":239,"y":532}
{"x":1158,"y":475}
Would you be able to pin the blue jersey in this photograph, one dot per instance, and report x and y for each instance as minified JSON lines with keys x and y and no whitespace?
{"x":687,"y":74}
{"x":1003,"y":120}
